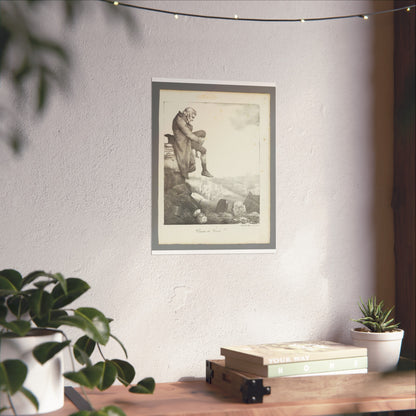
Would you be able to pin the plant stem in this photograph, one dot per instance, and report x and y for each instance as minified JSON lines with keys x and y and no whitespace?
{"x":101,"y":353}
{"x":11,"y":404}
{"x":19,"y":310}
{"x":73,"y":369}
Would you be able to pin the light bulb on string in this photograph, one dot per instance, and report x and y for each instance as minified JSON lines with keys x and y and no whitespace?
{"x":249,"y":19}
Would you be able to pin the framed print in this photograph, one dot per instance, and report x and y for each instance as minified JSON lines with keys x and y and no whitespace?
{"x":213,"y":167}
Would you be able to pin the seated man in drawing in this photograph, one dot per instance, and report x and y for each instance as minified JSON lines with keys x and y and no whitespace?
{"x":185,"y":141}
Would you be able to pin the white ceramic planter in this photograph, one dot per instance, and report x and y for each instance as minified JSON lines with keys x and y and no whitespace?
{"x":44,"y":381}
{"x":383,"y":348}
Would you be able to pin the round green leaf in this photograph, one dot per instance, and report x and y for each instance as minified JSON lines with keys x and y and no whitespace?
{"x":75,"y":288}
{"x":40,"y":304}
{"x":13,"y":276}
{"x":54,"y":316}
{"x":83,"y":413}
{"x":110,"y":411}
{"x":44,"y":352}
{"x":75,"y":321}
{"x":105,"y":411}
{"x":83,"y":349}
{"x":7,"y":287}
{"x":12,"y":375}
{"x":3,"y":312}
{"x":108,"y":374}
{"x":31,"y":277}
{"x":145,"y":386}
{"x":29,"y":395}
{"x":18,"y":305}
{"x":88,"y":377}
{"x":125,"y":371}
{"x":97,"y":327}
{"x":18,"y":327}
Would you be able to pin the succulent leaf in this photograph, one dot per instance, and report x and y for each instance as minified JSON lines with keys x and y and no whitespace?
{"x":375,"y":318}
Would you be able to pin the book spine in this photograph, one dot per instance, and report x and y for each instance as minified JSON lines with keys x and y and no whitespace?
{"x":288,"y":369}
{"x":333,"y":373}
{"x":260,"y":358}
{"x":321,"y":366}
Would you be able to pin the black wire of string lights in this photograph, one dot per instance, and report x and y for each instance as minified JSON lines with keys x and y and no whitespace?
{"x":364,"y":16}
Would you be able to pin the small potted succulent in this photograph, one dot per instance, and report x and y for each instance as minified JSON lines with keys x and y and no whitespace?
{"x":380,"y":335}
{"x":34,"y":310}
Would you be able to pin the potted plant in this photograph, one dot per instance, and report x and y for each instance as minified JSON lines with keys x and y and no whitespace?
{"x":380,"y":335}
{"x":34,"y":310}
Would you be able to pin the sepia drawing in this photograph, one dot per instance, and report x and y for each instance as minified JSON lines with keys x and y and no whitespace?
{"x":231,"y":204}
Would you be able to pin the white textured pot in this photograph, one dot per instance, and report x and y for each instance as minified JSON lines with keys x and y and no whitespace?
{"x":44,"y":381}
{"x":383,"y":348}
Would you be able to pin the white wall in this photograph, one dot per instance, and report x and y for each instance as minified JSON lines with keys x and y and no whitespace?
{"x":78,"y":200}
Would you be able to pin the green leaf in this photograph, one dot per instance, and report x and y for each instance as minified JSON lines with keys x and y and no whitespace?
{"x":54,"y":277}
{"x":83,"y":413}
{"x":75,"y":321}
{"x":98,"y":328}
{"x":3,"y":312}
{"x":75,"y":288}
{"x":30,"y":396}
{"x":145,"y":386}
{"x":13,"y":276}
{"x":83,"y":349}
{"x":12,"y":375}
{"x":44,"y":283}
{"x":18,"y":327}
{"x":105,"y":411}
{"x":108,"y":374}
{"x":40,"y":304}
{"x":6,"y":287}
{"x":125,"y":371}
{"x":31,"y":277}
{"x":45,"y":351}
{"x":18,"y":305}
{"x":55,"y":316}
{"x":89,"y":320}
{"x":110,"y":411}
{"x":62,"y":281}
{"x":88,"y":376}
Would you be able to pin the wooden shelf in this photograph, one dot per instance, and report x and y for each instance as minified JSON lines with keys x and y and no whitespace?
{"x":296,"y":396}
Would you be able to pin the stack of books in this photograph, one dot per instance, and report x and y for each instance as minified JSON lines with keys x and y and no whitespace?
{"x":296,"y":359}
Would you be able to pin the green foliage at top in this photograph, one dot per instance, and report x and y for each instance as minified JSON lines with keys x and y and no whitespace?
{"x":42,"y":300}
{"x":32,"y":59}
{"x":375,"y":317}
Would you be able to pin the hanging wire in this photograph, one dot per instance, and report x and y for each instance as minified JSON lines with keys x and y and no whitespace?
{"x":249,"y":19}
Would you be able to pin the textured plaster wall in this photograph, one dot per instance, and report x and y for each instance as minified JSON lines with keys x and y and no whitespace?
{"x":78,"y":200}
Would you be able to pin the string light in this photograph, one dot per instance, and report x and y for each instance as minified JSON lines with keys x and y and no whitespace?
{"x":249,"y":19}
